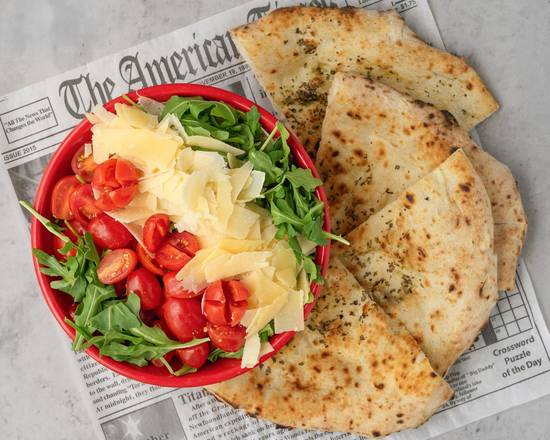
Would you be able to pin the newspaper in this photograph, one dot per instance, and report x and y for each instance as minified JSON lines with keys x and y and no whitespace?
{"x":507,"y":365}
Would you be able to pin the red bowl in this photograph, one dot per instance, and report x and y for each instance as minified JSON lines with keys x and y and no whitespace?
{"x":59,"y":303}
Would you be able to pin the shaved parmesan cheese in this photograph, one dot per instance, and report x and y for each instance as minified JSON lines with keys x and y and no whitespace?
{"x":253,"y":188}
{"x":235,"y":246}
{"x":100,"y":115}
{"x":268,"y":232}
{"x":239,"y":178}
{"x":303,"y":283}
{"x":241,"y":222}
{"x":269,"y":272}
{"x":306,"y":245}
{"x":228,"y":265}
{"x":263,"y":291}
{"x":172,"y":121}
{"x":251,"y":351}
{"x":233,"y":162}
{"x":224,"y":206}
{"x":184,"y":160}
{"x":255,"y":232}
{"x":192,"y":274}
{"x":211,"y":143}
{"x":287,"y":277}
{"x":135,"y":117}
{"x":248,"y":317}
{"x":291,"y":315}
{"x":87,"y":150}
{"x":265,"y":314}
{"x":130,"y":214}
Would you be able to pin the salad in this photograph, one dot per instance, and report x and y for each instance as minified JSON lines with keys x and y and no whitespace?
{"x":184,"y":235}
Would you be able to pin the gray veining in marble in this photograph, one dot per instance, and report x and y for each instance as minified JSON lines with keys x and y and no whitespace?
{"x":506,"y":41}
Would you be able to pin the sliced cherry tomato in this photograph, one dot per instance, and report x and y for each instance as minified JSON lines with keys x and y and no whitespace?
{"x":60,"y":197}
{"x":83,"y":166}
{"x":145,"y":285}
{"x":156,"y":228}
{"x":123,"y":196}
{"x":225,"y":337}
{"x":147,"y":262}
{"x":126,"y":173}
{"x":82,"y":204}
{"x":108,"y":233}
{"x":184,"y":318}
{"x":194,"y":356}
{"x":104,"y":176}
{"x":173,"y":288}
{"x":116,"y":265}
{"x":184,"y":241}
{"x":177,"y":250}
{"x":225,"y":302}
{"x":171,"y":258}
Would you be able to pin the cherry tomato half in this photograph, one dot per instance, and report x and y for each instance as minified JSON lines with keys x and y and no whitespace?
{"x":82,"y":204}
{"x":60,"y":197}
{"x":225,"y":337}
{"x":156,"y":228}
{"x":225,"y":302}
{"x":173,"y":288}
{"x":145,"y":285}
{"x":116,"y":265}
{"x":184,"y":318}
{"x":194,"y":356}
{"x":108,"y":233}
{"x":177,"y":250}
{"x":83,"y":166}
{"x":147,"y":262}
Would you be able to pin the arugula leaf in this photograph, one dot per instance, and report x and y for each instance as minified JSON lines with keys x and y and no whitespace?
{"x":302,"y":178}
{"x":252,"y":119}
{"x":218,"y":353}
{"x":117,"y":317}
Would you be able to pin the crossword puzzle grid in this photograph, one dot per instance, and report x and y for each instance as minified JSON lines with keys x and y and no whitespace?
{"x":508,"y":318}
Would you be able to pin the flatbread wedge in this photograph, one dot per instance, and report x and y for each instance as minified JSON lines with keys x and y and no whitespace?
{"x":294,"y":53}
{"x":352,"y":370}
{"x":427,"y":258}
{"x":376,"y":142}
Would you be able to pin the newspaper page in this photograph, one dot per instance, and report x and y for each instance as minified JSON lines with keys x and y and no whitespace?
{"x":507,"y":365}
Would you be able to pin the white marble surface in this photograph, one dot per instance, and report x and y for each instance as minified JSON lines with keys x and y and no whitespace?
{"x":506,"y":41}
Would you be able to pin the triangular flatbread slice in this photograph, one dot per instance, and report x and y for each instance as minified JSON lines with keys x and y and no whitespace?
{"x":376,"y":142}
{"x":427,"y":258}
{"x":294,"y":53}
{"x":353,"y":369}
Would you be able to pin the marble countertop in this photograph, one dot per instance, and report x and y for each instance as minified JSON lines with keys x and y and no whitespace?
{"x":40,"y":394}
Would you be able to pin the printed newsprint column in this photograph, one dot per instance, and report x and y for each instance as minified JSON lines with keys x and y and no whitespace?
{"x":507,"y":365}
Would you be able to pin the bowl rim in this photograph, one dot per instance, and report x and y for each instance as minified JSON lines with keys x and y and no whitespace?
{"x":225,"y":368}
